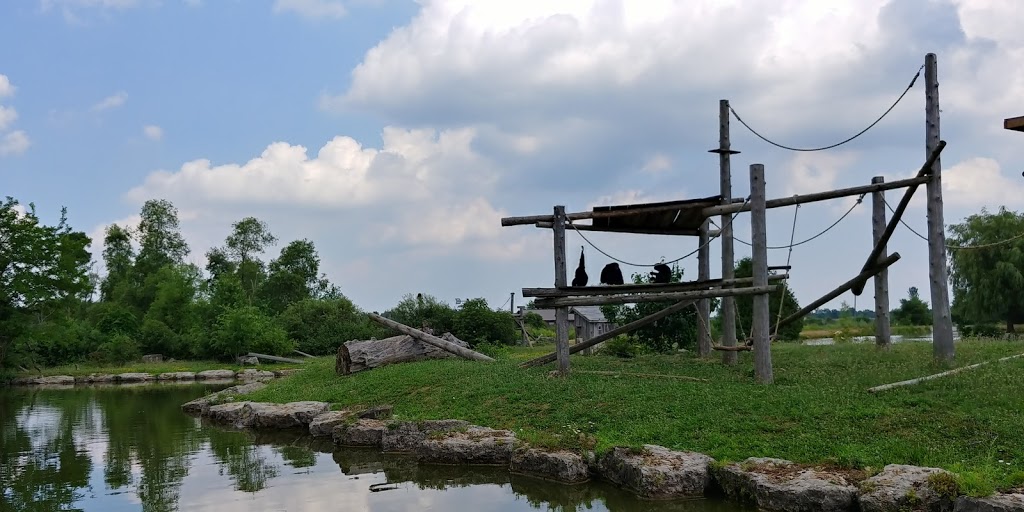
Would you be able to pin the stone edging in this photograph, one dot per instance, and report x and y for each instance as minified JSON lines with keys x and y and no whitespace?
{"x":109,"y":378}
{"x":652,"y":472}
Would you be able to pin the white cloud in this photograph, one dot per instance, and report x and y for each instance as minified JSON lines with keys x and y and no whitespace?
{"x":153,"y":132}
{"x":980,"y":181}
{"x":14,"y":143}
{"x":112,"y":101}
{"x":6,"y":89}
{"x":312,"y":8}
{"x":7,"y":117}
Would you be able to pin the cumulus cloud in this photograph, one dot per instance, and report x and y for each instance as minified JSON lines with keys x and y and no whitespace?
{"x":314,"y":9}
{"x":14,"y":143}
{"x":153,"y":132}
{"x":979,"y":181}
{"x":7,"y":117}
{"x":6,"y":89}
{"x":112,"y":101}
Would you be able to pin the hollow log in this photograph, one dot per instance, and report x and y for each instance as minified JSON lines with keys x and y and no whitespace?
{"x":430,"y":339}
{"x":359,"y":355}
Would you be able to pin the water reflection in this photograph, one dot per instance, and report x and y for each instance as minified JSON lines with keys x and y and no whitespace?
{"x":130,"y":448}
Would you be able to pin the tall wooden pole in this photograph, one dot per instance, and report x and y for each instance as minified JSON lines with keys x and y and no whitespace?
{"x":728,"y":312}
{"x":942,"y":323}
{"x":704,"y":305}
{"x":883,"y":338}
{"x":561,"y":312}
{"x":759,"y":256}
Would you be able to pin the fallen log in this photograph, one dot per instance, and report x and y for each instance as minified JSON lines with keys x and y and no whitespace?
{"x":359,"y":355}
{"x":431,"y":339}
{"x":937,"y":375}
{"x":274,"y":358}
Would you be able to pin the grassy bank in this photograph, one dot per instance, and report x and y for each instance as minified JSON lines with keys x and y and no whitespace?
{"x":817,"y":412}
{"x":156,"y":368}
{"x":828,"y":331}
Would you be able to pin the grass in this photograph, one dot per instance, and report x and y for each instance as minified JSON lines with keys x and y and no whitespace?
{"x":818,"y":411}
{"x":155,"y":368}
{"x":827,"y":331}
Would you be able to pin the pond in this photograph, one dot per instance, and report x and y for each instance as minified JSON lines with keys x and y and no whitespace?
{"x":125,"y":448}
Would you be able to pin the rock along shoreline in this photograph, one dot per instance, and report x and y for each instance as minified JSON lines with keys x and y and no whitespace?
{"x":132,"y":377}
{"x":651,"y":472}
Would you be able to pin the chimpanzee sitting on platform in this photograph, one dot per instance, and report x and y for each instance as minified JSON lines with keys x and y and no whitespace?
{"x":662,"y":273}
{"x":611,"y":274}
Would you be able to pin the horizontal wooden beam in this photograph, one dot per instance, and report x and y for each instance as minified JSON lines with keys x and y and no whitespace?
{"x":576,"y":291}
{"x":712,"y":211}
{"x":638,"y":231}
{"x":651,"y":297}
{"x":1014,"y":123}
{"x":533,"y":219}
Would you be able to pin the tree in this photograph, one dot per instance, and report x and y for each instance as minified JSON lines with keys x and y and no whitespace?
{"x":912,"y":310}
{"x":118,"y":256}
{"x":248,"y":239}
{"x":247,"y":329}
{"x":160,"y":245}
{"x":676,"y":330}
{"x":988,"y":282}
{"x":319,"y":326}
{"x":783,"y":296}
{"x":477,"y":323}
{"x":294,"y":276}
{"x":423,"y":310}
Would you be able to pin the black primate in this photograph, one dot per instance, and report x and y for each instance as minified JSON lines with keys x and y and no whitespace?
{"x":581,"y":272}
{"x":611,"y":274}
{"x":661,"y":274}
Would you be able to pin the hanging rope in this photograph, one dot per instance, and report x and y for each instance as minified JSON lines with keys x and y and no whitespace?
{"x":955,"y":247}
{"x":782,"y":296}
{"x":862,"y":132}
{"x":791,"y":245}
{"x":687,"y":255}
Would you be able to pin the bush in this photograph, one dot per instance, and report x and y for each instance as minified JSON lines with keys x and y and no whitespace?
{"x":477,"y":323}
{"x":247,"y":329}
{"x":119,"y":350}
{"x":157,"y":338}
{"x":620,"y":346}
{"x":318,"y":327}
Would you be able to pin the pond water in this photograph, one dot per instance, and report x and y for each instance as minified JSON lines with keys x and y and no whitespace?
{"x":126,"y":448}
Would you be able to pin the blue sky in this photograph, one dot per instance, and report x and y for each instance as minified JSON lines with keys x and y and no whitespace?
{"x":396,"y":134}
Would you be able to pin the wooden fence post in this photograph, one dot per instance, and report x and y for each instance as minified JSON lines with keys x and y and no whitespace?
{"x":938,"y":275}
{"x":704,"y":305}
{"x":561,"y":312}
{"x":728,"y":312}
{"x":883,"y":333}
{"x":759,"y":254}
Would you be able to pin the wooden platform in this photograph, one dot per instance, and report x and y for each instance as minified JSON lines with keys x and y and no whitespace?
{"x":671,"y":217}
{"x":1014,"y":123}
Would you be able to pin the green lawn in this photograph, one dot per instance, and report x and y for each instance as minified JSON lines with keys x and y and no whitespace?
{"x":818,"y":411}
{"x":154,"y":368}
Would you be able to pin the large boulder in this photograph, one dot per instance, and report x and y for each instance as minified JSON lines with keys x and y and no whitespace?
{"x":152,"y":358}
{"x":215,"y":375}
{"x":52,"y":380}
{"x":230,"y":412}
{"x":253,"y":374}
{"x":323,"y":425}
{"x":657,"y":472}
{"x":96,"y":378}
{"x":476,"y":445}
{"x":134,"y":377}
{"x":406,"y":436}
{"x":287,"y":371}
{"x":781,"y":485}
{"x":202,"y":404}
{"x":363,"y":432}
{"x":1011,"y":502}
{"x":176,"y":376}
{"x":899,"y":487}
{"x":289,"y":415}
{"x":561,"y":466}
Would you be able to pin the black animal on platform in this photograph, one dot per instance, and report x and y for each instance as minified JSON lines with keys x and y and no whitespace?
{"x":581,"y":272}
{"x":661,"y":274}
{"x":611,"y":274}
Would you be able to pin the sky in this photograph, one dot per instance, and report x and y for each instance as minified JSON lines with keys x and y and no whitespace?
{"x":395,"y":135}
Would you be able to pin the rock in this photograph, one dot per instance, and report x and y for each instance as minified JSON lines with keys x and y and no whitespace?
{"x":380,"y":412}
{"x":226,"y":413}
{"x":657,"y":472}
{"x":323,"y":425}
{"x":364,"y":432}
{"x":134,"y":377}
{"x":152,"y":358}
{"x":176,"y":376}
{"x":407,"y":435}
{"x":215,"y":374}
{"x":267,"y":415}
{"x":253,"y":360}
{"x":561,"y":466}
{"x":54,"y":380}
{"x":202,"y":405}
{"x":996,"y":503}
{"x":900,"y":487}
{"x":781,"y":485}
{"x":96,"y":378}
{"x":287,"y":371}
{"x":477,"y":445}
{"x":252,"y":374}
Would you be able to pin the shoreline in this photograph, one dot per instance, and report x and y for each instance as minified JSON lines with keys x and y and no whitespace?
{"x":144,"y":377}
{"x":651,"y":472}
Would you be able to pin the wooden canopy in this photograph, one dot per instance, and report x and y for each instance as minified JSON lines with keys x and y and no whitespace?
{"x":1014,"y":123}
{"x":670,"y":217}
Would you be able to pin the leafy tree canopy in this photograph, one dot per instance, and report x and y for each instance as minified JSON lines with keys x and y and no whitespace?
{"x":988,"y":282}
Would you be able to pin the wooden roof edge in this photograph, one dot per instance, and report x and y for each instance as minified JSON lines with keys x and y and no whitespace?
{"x":1014,"y":123}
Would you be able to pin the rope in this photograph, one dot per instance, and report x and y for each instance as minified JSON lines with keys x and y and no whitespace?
{"x":782,"y":296}
{"x":955,"y":247}
{"x":791,"y":245}
{"x":687,"y":255}
{"x":862,"y":132}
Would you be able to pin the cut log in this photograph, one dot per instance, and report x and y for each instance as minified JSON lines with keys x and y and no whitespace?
{"x":431,"y":339}
{"x":359,"y":355}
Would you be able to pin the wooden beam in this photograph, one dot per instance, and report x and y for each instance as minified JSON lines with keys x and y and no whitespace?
{"x":704,"y":305}
{"x":1014,"y":123}
{"x":275,"y":358}
{"x":577,"y":291}
{"x":817,"y":196}
{"x":636,"y":324}
{"x":650,"y":297}
{"x":430,"y":339}
{"x":638,"y":231}
{"x":759,"y":255}
{"x":954,"y":371}
{"x":561,"y":312}
{"x":728,"y":258}
{"x":533,"y":219}
{"x":883,"y":331}
{"x":897,"y":214}
{"x":943,"y":348}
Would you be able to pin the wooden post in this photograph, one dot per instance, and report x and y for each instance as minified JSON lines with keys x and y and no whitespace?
{"x":728,"y":312}
{"x":561,"y":312}
{"x":883,"y":338}
{"x":942,"y":323}
{"x":704,"y":305}
{"x":759,"y":254}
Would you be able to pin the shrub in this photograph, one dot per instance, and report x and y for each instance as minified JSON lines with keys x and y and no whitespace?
{"x":620,"y":346}
{"x":247,"y":329}
{"x":119,"y":350}
{"x":319,"y":326}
